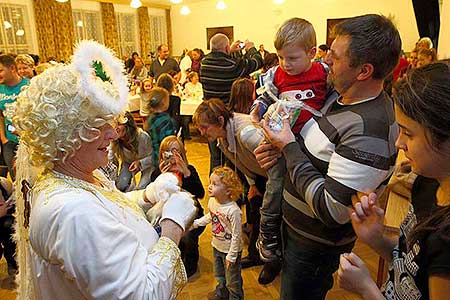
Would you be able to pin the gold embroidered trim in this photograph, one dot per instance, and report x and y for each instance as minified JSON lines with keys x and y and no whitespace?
{"x":51,"y":180}
{"x":169,"y":252}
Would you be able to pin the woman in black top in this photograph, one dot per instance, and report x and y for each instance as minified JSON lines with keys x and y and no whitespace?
{"x":172,"y":158}
{"x":420,"y":257}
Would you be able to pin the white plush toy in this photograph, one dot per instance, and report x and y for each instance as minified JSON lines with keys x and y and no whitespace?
{"x":158,"y":192}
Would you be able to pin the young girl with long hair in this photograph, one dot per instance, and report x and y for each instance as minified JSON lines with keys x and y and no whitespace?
{"x":420,"y":260}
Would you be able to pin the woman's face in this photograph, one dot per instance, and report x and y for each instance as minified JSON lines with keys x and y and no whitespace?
{"x":121,"y":131}
{"x":212,"y":131}
{"x":93,"y":155}
{"x":147,"y":86}
{"x":195,"y":55}
{"x":425,"y":159}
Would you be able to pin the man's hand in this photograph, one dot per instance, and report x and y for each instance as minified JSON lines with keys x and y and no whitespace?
{"x":235,"y":46}
{"x":278,"y":138}
{"x":249,"y":45}
{"x":266,"y":155}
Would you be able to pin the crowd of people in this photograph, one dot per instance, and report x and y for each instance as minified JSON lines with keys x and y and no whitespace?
{"x":306,"y":137}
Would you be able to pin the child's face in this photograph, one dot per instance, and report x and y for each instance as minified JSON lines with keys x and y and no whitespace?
{"x":294,"y":59}
{"x":216,"y":188}
{"x":147,"y":86}
{"x":194,"y":79}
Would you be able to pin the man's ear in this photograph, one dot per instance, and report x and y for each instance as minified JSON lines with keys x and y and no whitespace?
{"x":221,"y":121}
{"x":366,"y":71}
{"x":312,"y":53}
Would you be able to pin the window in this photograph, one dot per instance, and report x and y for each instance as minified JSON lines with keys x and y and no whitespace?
{"x":87,"y":25}
{"x":127,"y":29}
{"x":158,"y":32}
{"x":15,"y":32}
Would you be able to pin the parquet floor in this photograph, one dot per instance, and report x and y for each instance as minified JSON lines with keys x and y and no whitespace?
{"x":203,"y":282}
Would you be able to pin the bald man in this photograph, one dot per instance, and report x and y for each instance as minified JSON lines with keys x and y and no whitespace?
{"x":226,"y":63}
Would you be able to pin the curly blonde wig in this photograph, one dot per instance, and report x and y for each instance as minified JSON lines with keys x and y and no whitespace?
{"x":53,"y":118}
{"x":231,"y":180}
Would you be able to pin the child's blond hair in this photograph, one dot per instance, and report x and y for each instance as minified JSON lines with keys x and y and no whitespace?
{"x":296,"y":31}
{"x":231,"y":180}
{"x":157,"y":96}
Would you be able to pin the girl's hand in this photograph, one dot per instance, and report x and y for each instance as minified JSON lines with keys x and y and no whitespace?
{"x":229,"y":264}
{"x":353,"y":275}
{"x":165,"y":166}
{"x":368,"y":219}
{"x":135,"y":166}
{"x":181,"y":165}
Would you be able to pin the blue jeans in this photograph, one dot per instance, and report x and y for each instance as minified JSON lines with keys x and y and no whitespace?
{"x":229,"y":280}
{"x":124,"y":183}
{"x":308,"y":267}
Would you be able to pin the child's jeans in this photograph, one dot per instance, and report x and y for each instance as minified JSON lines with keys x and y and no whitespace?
{"x":229,"y":279}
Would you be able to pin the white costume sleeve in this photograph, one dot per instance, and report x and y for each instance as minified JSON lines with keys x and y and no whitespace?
{"x":106,"y":259}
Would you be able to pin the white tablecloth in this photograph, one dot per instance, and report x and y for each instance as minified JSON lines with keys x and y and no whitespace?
{"x":188,"y":107}
{"x":134,"y":102}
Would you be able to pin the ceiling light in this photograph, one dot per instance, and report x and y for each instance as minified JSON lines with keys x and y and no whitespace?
{"x":185,"y":10}
{"x":61,"y":1}
{"x":80,"y":23}
{"x":20,"y":32}
{"x":136,"y":3}
{"x":7,"y":24}
{"x":278,"y":2}
{"x":176,"y":1}
{"x":221,"y":5}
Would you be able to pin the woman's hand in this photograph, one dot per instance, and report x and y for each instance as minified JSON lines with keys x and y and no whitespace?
{"x":354,"y":276}
{"x":266,"y":155}
{"x":368,"y":220}
{"x":135,"y":166}
{"x":229,"y":264}
{"x":165,"y":166}
{"x":181,"y":166}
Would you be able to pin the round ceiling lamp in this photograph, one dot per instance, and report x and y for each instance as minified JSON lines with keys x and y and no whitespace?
{"x":136,"y":3}
{"x":185,"y":10}
{"x":221,"y":5}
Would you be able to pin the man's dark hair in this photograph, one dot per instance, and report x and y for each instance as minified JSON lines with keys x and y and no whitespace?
{"x":374,"y":40}
{"x":324,"y":47}
{"x":8,"y":60}
{"x":160,"y":47}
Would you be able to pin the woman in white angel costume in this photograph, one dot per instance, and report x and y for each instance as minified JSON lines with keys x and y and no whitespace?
{"x":85,"y":239}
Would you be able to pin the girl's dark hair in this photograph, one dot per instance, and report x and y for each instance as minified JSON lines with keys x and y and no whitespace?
{"x":424,"y":96}
{"x":131,"y":134}
{"x":241,"y":97}
{"x":270,"y":60}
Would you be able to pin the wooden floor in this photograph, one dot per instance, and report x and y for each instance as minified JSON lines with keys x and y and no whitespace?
{"x":203,"y":282}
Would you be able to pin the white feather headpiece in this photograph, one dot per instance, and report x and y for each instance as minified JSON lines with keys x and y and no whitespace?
{"x":93,"y":87}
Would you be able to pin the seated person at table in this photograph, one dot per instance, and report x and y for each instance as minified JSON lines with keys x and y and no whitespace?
{"x":193,"y":90}
{"x":160,"y":123}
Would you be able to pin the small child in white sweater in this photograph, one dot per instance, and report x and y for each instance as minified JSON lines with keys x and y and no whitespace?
{"x":225,"y":216}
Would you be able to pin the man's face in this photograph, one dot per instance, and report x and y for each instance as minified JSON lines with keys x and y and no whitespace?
{"x":341,"y":74}
{"x":7,"y":74}
{"x":164,"y":52}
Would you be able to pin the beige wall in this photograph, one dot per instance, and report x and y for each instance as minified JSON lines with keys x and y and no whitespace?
{"x":258,"y":20}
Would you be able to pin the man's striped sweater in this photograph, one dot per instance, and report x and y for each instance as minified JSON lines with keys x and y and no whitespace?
{"x":351,"y":148}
